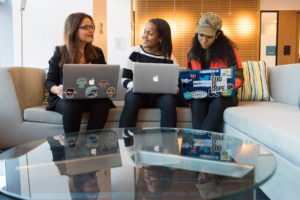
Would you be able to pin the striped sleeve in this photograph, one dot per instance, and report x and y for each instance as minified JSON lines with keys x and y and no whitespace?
{"x":127,"y":74}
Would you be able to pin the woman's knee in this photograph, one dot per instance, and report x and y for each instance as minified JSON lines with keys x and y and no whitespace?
{"x":220,"y":104}
{"x":133,"y":98}
{"x":168,"y":100}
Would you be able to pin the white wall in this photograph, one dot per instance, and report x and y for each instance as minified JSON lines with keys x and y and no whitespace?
{"x":280,"y":5}
{"x":6,"y":39}
{"x":118,"y":30}
{"x":118,"y":43}
{"x":268,"y":36}
{"x":43,"y":23}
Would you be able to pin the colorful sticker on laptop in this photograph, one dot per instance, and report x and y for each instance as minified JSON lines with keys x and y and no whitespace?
{"x":81,"y":82}
{"x":193,"y":76}
{"x":212,"y":94}
{"x":226,"y":72}
{"x":112,"y":139}
{"x":91,"y":91}
{"x":188,"y":95}
{"x":71,"y":142}
{"x":199,"y":94}
{"x":110,"y":91}
{"x":92,"y":140}
{"x":103,"y":83}
{"x":230,"y":86}
{"x":69,"y":93}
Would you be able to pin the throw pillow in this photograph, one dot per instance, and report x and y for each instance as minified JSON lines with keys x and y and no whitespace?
{"x":255,"y":87}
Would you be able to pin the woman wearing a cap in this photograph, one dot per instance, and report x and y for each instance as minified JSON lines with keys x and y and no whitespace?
{"x":212,"y":49}
{"x":156,"y":48}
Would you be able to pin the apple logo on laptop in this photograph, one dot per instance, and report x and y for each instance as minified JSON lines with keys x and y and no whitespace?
{"x":155,"y":78}
{"x":92,"y":82}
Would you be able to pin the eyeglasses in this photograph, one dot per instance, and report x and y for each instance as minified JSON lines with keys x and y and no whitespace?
{"x":86,"y":27}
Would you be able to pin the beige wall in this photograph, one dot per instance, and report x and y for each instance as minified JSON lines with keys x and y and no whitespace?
{"x":100,"y":19}
{"x":280,"y":5}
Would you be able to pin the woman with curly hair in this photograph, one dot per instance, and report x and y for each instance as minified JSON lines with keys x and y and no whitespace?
{"x":211,"y":49}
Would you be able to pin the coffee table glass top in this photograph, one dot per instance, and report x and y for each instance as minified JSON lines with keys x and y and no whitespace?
{"x":136,"y":163}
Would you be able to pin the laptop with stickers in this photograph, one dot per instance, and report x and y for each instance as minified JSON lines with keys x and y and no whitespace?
{"x":91,"y":151}
{"x":89,"y":81}
{"x":207,"y":83}
{"x":156,"y":78}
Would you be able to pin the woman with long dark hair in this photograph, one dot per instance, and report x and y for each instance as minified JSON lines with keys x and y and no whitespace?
{"x":156,"y":48}
{"x":211,"y":49}
{"x":78,"y":49}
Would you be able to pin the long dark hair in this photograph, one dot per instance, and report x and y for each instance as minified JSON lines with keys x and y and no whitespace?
{"x":70,"y":51}
{"x":222,"y":48}
{"x":164,"y":32}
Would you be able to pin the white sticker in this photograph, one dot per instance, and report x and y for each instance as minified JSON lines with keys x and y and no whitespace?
{"x":199,"y":94}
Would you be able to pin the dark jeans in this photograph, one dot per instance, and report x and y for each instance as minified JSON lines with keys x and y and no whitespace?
{"x":135,"y":101}
{"x":207,"y":114}
{"x":72,"y":110}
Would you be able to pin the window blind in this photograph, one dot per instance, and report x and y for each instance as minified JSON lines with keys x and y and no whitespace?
{"x":240,"y":22}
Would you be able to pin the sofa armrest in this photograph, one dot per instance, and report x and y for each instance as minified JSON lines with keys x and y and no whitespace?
{"x":29,"y":86}
{"x":21,"y":87}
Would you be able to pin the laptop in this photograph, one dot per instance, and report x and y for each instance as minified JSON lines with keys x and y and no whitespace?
{"x":207,"y":83}
{"x":88,"y":81}
{"x":156,"y":78}
{"x":92,"y":151}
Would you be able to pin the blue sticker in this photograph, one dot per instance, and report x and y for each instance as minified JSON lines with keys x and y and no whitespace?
{"x":91,"y":91}
{"x":188,"y":95}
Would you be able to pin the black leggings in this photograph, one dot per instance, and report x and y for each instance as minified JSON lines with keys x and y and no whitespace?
{"x":72,"y":110}
{"x":135,"y":101}
{"x":207,"y":114}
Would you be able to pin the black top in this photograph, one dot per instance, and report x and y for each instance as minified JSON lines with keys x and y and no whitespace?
{"x":55,"y":74}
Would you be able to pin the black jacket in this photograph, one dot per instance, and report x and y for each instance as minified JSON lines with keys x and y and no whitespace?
{"x":55,"y":75}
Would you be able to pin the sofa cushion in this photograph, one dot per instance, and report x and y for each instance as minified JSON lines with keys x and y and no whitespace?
{"x":285,"y":84}
{"x":255,"y":87}
{"x":40,"y":114}
{"x":273,"y":124}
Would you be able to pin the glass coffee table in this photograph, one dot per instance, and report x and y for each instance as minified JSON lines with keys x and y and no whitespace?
{"x":136,"y":163}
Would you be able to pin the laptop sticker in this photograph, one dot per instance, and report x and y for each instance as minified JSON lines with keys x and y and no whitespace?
{"x":81,"y":82}
{"x":92,"y":140}
{"x":70,"y":92}
{"x":212,"y":94}
{"x":103,"y":83}
{"x":199,"y":94}
{"x":91,"y":91}
{"x":111,"y":91}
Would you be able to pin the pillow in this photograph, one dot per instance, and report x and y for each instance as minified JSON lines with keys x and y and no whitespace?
{"x":255,"y":87}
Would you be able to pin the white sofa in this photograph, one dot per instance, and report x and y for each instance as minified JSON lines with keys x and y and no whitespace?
{"x":275,"y":124}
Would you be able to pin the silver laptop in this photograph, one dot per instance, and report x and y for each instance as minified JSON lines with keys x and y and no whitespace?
{"x":88,"y":81}
{"x":157,"y":78}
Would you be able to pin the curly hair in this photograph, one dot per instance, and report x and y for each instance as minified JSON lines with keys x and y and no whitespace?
{"x":222,"y":48}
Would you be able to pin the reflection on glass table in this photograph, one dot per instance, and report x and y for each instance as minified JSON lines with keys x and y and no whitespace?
{"x":136,"y":163}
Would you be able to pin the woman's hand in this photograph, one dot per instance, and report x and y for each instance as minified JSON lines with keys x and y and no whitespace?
{"x":58,"y":90}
